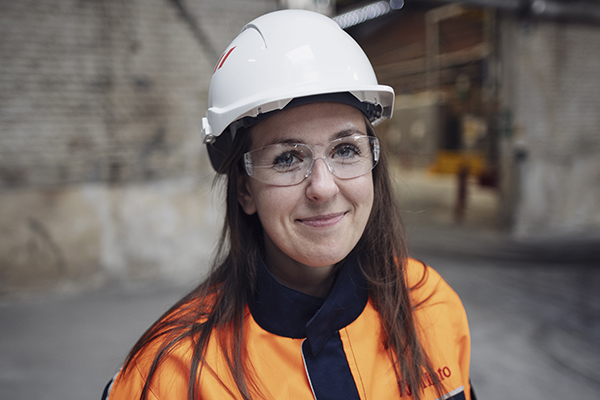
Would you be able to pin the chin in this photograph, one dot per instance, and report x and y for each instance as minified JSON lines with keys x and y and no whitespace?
{"x":324,"y":259}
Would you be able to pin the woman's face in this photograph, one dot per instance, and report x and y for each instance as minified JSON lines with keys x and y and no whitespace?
{"x":318,"y":221}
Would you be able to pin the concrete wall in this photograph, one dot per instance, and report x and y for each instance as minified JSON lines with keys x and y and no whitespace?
{"x":85,"y":234}
{"x":102,"y":171}
{"x":551,"y":92}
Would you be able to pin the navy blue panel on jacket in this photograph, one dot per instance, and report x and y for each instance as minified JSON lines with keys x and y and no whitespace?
{"x":458,"y":396}
{"x":286,"y":312}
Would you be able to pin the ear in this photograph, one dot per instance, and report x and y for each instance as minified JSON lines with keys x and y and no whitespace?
{"x":245,"y":197}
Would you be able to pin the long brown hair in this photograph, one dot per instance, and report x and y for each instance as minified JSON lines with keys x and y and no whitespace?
{"x":218,"y":304}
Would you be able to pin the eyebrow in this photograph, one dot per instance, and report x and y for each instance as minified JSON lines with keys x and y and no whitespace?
{"x":346,"y":132}
{"x":338,"y":135}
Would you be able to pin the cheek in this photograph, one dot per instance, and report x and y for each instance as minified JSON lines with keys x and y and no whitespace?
{"x":361,"y":193}
{"x":363,"y":198}
{"x":274,"y":204}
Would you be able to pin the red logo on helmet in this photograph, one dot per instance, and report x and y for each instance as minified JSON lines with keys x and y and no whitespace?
{"x":222,"y":59}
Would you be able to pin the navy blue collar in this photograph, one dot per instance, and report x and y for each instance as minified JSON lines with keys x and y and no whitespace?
{"x":283,"y":311}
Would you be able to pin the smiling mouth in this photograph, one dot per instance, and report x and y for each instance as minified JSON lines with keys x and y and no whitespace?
{"x":323,"y":220}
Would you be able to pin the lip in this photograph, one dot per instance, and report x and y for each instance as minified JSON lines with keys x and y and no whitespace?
{"x":322,"y":221}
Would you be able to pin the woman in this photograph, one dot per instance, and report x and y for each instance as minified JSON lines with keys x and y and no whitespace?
{"x":312,"y":294}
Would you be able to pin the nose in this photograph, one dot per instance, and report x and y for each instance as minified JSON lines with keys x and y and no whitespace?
{"x":322,"y":185}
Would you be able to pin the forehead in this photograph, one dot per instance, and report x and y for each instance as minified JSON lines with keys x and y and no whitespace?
{"x":314,"y":123}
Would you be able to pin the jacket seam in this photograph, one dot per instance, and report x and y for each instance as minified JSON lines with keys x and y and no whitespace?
{"x":142,"y":376}
{"x":362,"y":385}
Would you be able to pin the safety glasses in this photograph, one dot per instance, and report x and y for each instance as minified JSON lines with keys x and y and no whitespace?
{"x":288,"y":164}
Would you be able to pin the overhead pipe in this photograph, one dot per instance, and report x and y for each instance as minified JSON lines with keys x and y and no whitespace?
{"x":507,"y":5}
{"x":582,"y":11}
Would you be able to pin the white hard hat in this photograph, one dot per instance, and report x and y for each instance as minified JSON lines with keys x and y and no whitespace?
{"x":282,"y":56}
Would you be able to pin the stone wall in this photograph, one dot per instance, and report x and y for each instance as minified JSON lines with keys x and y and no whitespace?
{"x":109,"y":91}
{"x":551,"y":90}
{"x":102,"y":170}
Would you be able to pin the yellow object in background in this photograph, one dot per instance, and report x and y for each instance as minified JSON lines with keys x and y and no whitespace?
{"x":450,"y":162}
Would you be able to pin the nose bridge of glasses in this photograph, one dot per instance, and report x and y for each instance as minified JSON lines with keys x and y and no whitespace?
{"x":313,"y":162}
{"x":316,"y":150}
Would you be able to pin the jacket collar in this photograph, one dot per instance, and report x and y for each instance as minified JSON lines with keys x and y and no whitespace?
{"x":283,"y":311}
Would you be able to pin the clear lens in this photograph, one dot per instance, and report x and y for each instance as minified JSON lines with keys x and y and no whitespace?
{"x":287,"y":164}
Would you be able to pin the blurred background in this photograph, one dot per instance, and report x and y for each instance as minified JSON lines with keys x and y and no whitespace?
{"x":109,"y":212}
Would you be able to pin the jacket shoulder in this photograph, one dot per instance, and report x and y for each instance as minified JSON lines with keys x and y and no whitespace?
{"x":170,"y":339}
{"x":442,"y":324}
{"x":427,"y":285}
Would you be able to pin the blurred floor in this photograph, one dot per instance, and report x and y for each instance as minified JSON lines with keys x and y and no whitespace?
{"x":535,"y":327}
{"x":533,"y":307}
{"x":535,"y":324}
{"x":68,"y":345}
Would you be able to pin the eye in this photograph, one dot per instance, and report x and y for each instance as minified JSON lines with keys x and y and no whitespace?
{"x":287,"y":161}
{"x":345,"y":151}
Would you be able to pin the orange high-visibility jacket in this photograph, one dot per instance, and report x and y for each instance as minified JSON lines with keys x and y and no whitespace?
{"x":302,"y":347}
